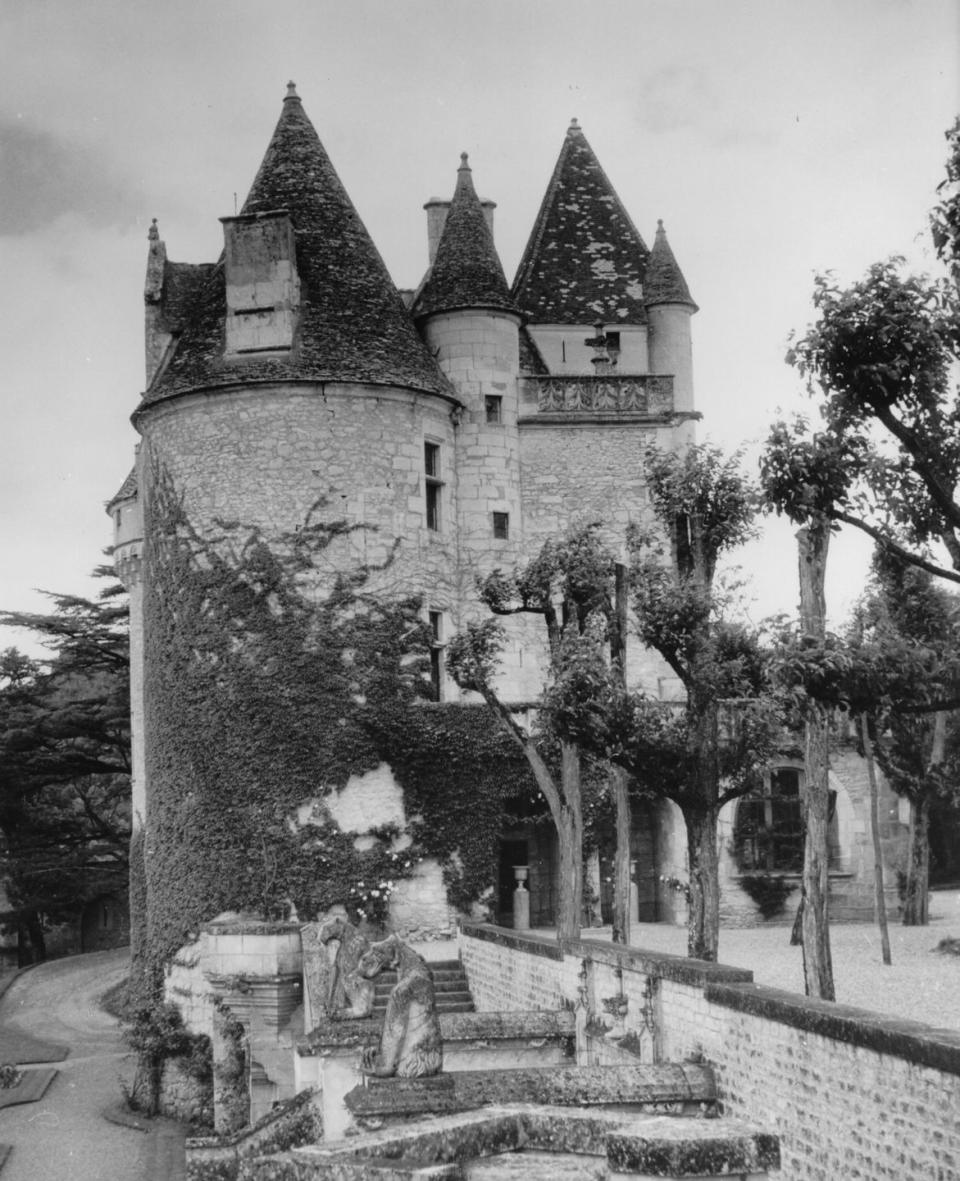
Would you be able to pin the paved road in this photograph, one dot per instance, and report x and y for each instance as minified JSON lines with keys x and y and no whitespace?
{"x":63,"y":1136}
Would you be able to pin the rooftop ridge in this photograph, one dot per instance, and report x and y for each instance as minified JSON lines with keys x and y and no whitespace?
{"x":467,"y":272}
{"x":597,"y":258}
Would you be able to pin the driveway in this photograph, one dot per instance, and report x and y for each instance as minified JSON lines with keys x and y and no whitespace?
{"x":51,"y":1013}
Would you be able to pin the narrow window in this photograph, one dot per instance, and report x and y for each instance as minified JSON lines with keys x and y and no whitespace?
{"x":431,"y":467}
{"x":493,"y":405}
{"x":501,"y":526}
{"x":436,"y":654}
{"x":563,"y":351}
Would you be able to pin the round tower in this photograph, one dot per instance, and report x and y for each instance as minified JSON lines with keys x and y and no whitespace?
{"x":471,"y":326}
{"x":669,"y":307}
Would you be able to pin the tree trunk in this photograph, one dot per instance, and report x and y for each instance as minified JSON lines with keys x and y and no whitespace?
{"x":570,"y":833}
{"x":879,"y":902}
{"x":618,"y":777}
{"x":917,"y":888}
{"x":621,"y":860}
{"x":813,"y":541}
{"x":592,"y":887}
{"x":703,"y":912}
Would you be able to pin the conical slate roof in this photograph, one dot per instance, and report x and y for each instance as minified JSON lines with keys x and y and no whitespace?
{"x":353,"y":325}
{"x":664,"y":281}
{"x":585,"y":259}
{"x":467,"y":272}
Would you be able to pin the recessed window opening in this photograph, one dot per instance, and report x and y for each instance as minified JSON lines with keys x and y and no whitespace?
{"x":433,"y":484}
{"x":493,"y":406}
{"x":436,"y":654}
{"x":501,"y":526}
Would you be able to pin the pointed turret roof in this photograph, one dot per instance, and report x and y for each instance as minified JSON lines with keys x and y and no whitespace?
{"x":353,"y":325}
{"x":585,"y":259}
{"x":467,"y":272}
{"x":664,"y":281}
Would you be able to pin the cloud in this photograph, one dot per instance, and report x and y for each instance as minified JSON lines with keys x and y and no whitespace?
{"x":43,"y":177}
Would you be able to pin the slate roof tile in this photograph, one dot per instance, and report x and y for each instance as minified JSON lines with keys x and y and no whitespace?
{"x":664,"y":281}
{"x":467,"y":272}
{"x":353,"y":325}
{"x":584,"y":260}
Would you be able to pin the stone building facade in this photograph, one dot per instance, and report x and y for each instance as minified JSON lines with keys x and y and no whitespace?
{"x":468,"y":420}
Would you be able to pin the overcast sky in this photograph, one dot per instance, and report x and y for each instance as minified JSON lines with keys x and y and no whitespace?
{"x":774,"y":139}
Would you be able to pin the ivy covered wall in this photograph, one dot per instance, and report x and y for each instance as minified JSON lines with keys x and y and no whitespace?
{"x":270,"y":684}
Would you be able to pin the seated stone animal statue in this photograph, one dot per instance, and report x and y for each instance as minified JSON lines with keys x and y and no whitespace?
{"x":410,"y":1045}
{"x":351,"y":993}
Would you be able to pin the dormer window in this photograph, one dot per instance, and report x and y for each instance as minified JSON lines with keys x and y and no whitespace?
{"x":262,"y":284}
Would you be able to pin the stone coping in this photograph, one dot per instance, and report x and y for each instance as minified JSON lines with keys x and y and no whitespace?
{"x":542,"y":945}
{"x":654,"y":1146}
{"x":515,"y":1025}
{"x":652,"y":1085}
{"x":698,"y":973}
{"x":242,"y":926}
{"x":912,"y":1041}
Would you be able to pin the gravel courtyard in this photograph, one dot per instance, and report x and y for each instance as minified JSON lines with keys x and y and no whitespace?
{"x":920,"y":984}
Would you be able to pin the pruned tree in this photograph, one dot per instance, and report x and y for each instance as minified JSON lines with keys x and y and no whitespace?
{"x":715,"y":746}
{"x":916,"y":625}
{"x":569,"y":585}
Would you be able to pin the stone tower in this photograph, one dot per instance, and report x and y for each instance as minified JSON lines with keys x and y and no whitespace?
{"x":289,"y":383}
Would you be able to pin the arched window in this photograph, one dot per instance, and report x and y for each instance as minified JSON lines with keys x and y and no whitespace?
{"x":767,"y":832}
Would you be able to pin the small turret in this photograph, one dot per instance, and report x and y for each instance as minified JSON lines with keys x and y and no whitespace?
{"x":669,"y":308}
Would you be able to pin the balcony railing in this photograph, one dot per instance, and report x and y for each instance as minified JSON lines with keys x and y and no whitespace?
{"x":649,"y":395}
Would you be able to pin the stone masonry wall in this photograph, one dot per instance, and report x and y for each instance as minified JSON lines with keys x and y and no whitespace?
{"x":851,"y":1094}
{"x":265,"y":456}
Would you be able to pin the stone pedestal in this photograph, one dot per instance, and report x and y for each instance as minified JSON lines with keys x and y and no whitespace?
{"x":521,"y":899}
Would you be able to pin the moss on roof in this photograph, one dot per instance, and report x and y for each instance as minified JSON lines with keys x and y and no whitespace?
{"x":467,"y":272}
{"x":664,"y":281}
{"x":585,"y":259}
{"x":352,"y":325}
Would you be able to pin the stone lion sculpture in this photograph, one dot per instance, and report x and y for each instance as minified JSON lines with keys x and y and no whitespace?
{"x":338,"y":991}
{"x":410,"y":1045}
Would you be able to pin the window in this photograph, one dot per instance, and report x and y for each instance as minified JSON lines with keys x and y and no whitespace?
{"x":436,"y":654}
{"x":767,"y":833}
{"x":493,"y":405}
{"x":431,"y":467}
{"x":501,"y":526}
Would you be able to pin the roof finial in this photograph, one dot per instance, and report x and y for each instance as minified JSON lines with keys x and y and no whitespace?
{"x":574,"y":125}
{"x":660,"y":229}
{"x":153,"y":234}
{"x":291,"y":91}
{"x":464,"y":166}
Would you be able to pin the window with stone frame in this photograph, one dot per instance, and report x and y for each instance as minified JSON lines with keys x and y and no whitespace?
{"x":433,"y":486}
{"x":501,"y":526}
{"x":767,"y":831}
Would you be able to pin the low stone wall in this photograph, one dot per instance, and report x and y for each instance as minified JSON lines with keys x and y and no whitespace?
{"x":851,"y":1093}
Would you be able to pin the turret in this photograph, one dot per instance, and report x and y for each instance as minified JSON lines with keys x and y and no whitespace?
{"x":669,"y":308}
{"x":471,"y":325}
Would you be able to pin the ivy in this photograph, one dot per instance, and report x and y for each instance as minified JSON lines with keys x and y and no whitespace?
{"x":262,"y":677}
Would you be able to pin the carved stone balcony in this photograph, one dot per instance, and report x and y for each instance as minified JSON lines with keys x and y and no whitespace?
{"x":605,"y":396}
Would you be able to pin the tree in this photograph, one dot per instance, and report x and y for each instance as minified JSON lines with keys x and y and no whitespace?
{"x":880,"y":361}
{"x":915,"y":622}
{"x":65,"y":760}
{"x":569,"y":584}
{"x":716,"y":747}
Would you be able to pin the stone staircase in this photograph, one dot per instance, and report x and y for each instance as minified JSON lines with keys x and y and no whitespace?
{"x":449,"y":985}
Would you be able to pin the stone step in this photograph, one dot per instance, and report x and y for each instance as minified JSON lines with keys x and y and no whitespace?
{"x":455,"y":1004}
{"x":453,"y":984}
{"x":537,"y":1166}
